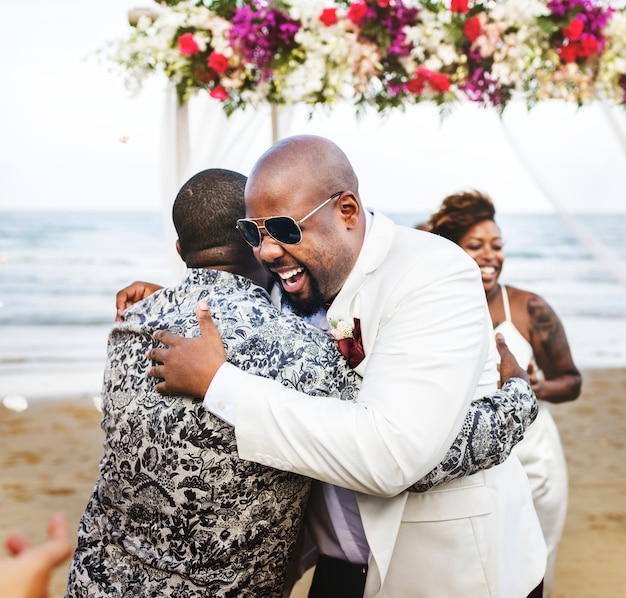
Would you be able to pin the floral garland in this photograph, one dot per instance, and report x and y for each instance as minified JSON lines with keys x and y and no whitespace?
{"x":381,"y":53}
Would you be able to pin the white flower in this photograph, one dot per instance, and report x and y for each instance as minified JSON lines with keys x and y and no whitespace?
{"x":341,"y":329}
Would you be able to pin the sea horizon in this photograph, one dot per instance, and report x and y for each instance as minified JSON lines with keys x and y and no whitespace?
{"x":60,"y":271}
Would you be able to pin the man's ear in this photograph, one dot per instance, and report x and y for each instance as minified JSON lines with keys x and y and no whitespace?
{"x":350,"y":209}
{"x":179,"y":250}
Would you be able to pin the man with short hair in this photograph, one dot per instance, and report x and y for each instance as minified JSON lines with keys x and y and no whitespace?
{"x":175,"y":511}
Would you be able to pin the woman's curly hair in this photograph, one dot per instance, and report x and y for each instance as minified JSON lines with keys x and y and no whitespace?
{"x":459,"y":212}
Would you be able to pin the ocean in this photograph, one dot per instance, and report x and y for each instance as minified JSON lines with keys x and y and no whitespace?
{"x":60,"y":271}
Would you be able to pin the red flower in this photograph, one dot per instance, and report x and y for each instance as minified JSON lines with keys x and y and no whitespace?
{"x":439,"y":82}
{"x":218,"y":63}
{"x":383,"y":3}
{"x":473,"y":28}
{"x":416,"y":85}
{"x":460,"y":6}
{"x":356,"y":13}
{"x":574,"y":29}
{"x":187,"y":44}
{"x":329,"y":16}
{"x":219,"y":93}
{"x":568,"y":53}
{"x":587,"y":45}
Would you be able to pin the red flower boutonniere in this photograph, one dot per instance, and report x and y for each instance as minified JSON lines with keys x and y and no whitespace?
{"x":349,"y":340}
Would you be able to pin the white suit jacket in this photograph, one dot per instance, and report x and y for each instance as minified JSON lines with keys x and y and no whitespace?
{"x":429,"y":351}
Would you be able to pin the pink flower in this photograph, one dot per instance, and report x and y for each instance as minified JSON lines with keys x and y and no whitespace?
{"x":460,"y":6}
{"x":218,"y":62}
{"x":187,"y":45}
{"x":473,"y":28}
{"x":356,"y":13}
{"x":329,"y":16}
{"x":219,"y":93}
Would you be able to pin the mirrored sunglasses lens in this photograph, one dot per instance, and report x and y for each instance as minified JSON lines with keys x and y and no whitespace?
{"x":284,"y":230}
{"x":250,"y":232}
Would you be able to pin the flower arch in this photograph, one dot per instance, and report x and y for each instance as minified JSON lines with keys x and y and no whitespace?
{"x":383,"y":54}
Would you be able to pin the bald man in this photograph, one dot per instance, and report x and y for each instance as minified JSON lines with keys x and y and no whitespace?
{"x":414,"y":307}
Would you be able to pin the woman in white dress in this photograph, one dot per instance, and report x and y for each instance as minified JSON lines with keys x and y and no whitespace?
{"x":536,"y":337}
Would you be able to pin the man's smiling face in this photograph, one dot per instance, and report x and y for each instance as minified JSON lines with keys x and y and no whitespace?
{"x":312,"y":271}
{"x":293,"y":178}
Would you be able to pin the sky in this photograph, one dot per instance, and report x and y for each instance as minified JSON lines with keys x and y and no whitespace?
{"x":72,"y":137}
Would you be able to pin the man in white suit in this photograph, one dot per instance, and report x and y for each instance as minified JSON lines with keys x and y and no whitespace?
{"x":427,"y":351}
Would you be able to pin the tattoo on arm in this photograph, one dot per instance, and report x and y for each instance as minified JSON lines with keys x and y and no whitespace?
{"x":546,"y":327}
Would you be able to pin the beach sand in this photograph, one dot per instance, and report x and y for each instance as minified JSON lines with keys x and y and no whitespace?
{"x":49,"y":462}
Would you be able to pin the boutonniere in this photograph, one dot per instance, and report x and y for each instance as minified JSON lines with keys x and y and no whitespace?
{"x":349,"y":340}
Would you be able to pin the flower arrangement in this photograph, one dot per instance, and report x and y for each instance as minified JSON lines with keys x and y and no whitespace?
{"x":380,"y":53}
{"x":341,"y":329}
{"x":349,"y":341}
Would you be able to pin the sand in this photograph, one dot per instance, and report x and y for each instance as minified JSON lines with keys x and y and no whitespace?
{"x":49,"y":462}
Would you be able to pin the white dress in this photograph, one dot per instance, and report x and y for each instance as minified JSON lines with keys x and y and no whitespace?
{"x":541,"y":454}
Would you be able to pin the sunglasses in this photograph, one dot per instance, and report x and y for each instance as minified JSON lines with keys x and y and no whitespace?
{"x":283,"y":229}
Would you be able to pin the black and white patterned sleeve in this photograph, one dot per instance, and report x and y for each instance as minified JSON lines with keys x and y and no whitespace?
{"x":492,"y":427}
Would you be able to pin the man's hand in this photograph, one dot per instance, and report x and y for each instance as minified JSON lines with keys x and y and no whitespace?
{"x":188,"y":365}
{"x":536,"y":379}
{"x":131,"y":294}
{"x":27,"y":574}
{"x":509,"y":368}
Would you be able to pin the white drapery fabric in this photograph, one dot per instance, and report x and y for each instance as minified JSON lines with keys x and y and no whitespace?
{"x":604,"y":116}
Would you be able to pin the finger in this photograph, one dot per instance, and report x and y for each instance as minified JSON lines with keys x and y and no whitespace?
{"x":157,"y":354}
{"x":121,"y":302}
{"x":17,"y":544}
{"x":165,"y":337}
{"x":205,"y":320}
{"x":59,"y":545}
{"x":162,"y":388}
{"x":501,"y":346}
{"x":158,"y":371}
{"x":125,"y":297}
{"x":121,"y":299}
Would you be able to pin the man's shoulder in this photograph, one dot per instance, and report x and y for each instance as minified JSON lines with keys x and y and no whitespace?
{"x":173,"y":307}
{"x":408,"y":248}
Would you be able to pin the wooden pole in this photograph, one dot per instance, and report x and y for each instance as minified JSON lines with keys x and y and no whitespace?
{"x":274,"y":111}
{"x":134,"y":15}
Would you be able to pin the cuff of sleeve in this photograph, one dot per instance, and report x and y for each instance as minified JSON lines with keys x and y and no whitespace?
{"x":220,"y":398}
{"x":519,"y":384}
{"x":523,"y":400}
